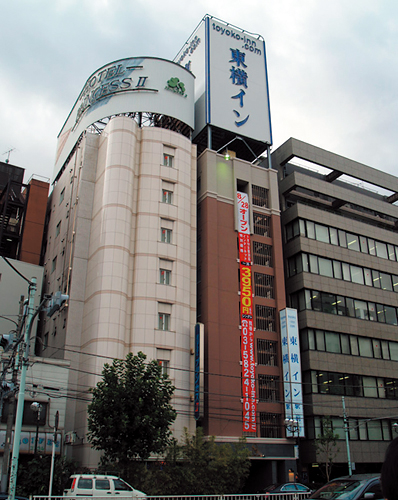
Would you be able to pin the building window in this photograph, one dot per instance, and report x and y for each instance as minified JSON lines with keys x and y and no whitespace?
{"x":168,"y":160}
{"x":270,"y":425}
{"x":165,"y":235}
{"x":54,"y":264}
{"x":260,"y":196}
{"x":61,"y":196}
{"x":165,"y":364}
{"x":58,"y":229}
{"x":45,"y":341}
{"x":164,"y":276}
{"x":164,"y":322}
{"x":262,"y":224}
{"x":268,"y":388}
{"x":267,"y":352}
{"x":262,"y":254}
{"x":265,"y":318}
{"x":167,"y":196}
{"x":264,"y":285}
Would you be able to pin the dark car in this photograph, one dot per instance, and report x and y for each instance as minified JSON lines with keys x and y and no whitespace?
{"x":355,"y":487}
{"x":286,"y":488}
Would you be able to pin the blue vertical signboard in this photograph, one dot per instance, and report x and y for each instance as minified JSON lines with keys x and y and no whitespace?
{"x":291,"y":361}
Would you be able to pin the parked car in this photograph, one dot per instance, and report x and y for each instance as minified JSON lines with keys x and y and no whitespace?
{"x":286,"y":488}
{"x":355,"y":487}
{"x":98,"y":485}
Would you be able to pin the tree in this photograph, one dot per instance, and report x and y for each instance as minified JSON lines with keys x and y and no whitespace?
{"x":325,"y":445}
{"x":130,"y":413}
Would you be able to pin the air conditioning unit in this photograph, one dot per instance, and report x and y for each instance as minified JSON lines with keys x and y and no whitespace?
{"x":70,"y":438}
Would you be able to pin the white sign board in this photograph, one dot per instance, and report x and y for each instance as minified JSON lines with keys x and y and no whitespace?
{"x":291,"y":362}
{"x":231,"y":87}
{"x":140,"y":84}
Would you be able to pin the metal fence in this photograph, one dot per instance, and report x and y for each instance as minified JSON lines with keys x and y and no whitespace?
{"x":263,"y":496}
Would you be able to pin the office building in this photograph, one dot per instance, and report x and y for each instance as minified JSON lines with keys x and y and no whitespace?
{"x":340,"y":222}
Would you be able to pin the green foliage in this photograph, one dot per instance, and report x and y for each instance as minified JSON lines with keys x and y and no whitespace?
{"x":197,"y":466}
{"x":130,"y":414}
{"x":34,"y":475}
{"x":325,"y":445}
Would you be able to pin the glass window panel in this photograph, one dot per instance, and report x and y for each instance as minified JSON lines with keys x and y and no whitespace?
{"x":372,"y":247}
{"x":380,"y":388}
{"x":341,"y":307}
{"x":316,"y":301}
{"x":353,"y":429}
{"x":332,"y":342}
{"x":385,"y":350}
{"x":363,"y":241}
{"x":323,"y":382}
{"x":352,"y":242}
{"x":391,"y":252}
{"x":394,"y":351}
{"x":292,"y":266}
{"x":304,"y":340}
{"x":380,"y":313}
{"x":346,"y":272}
{"x":357,"y":275}
{"x":385,"y":425}
{"x":368,"y":277}
{"x":310,"y":230}
{"x":395,"y":282}
{"x":329,"y":303}
{"x":363,"y":434}
{"x":299,"y":264}
{"x":354,"y":345}
{"x":311,"y":339}
{"x":350,"y":309}
{"x":353,"y":385}
{"x":306,"y":267}
{"x":377,"y":348}
{"x":374,"y":430}
{"x":325,"y":267}
{"x":361,"y":309}
{"x":302,"y":227}
{"x":308,"y":304}
{"x":391,"y":315}
{"x":365,"y":347}
{"x":289,"y":232}
{"x":301,"y":304}
{"x":322,"y":233}
{"x":345,"y":343}
{"x":391,"y":389}
{"x":381,"y":250}
{"x":376,"y":279}
{"x":296,"y":228}
{"x":313,"y":264}
{"x":369,"y":387}
{"x":385,"y":281}
{"x":294,"y":301}
{"x":320,"y":340}
{"x":342,"y":238}
{"x":372,"y":311}
{"x":336,"y":384}
{"x":334,"y":238}
{"x":337,"y":270}
{"x":338,"y":427}
{"x":314,"y":381}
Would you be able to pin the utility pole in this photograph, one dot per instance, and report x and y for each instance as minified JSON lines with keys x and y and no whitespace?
{"x":11,"y":408}
{"x":21,"y":395}
{"x":347,"y":441}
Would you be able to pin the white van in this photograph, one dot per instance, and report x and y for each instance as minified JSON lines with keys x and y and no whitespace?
{"x":97,"y":485}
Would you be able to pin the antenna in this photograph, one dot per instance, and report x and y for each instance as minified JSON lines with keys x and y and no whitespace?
{"x":8,"y":154}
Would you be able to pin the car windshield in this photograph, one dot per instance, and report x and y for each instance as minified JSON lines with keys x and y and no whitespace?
{"x":341,"y":489}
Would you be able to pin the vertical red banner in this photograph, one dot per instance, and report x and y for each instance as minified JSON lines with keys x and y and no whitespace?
{"x":246,"y":317}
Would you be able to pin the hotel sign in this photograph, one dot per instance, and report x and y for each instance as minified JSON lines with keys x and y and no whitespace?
{"x":140,"y":84}
{"x":246,"y":316}
{"x":231,"y":86}
{"x":291,"y":362}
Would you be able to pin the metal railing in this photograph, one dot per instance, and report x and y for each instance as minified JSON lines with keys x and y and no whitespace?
{"x":294,"y":495}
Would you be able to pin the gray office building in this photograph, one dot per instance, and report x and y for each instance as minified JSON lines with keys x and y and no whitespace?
{"x":339,"y":224}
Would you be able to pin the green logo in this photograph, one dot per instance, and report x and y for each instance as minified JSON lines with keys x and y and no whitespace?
{"x":174,"y":85}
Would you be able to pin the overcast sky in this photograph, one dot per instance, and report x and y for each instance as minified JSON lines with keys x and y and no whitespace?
{"x":332,"y":66}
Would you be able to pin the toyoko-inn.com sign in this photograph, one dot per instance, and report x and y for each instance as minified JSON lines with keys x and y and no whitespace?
{"x":231,"y":86}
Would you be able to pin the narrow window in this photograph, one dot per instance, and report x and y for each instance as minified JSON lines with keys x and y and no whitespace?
{"x":61,"y":196}
{"x":58,"y":229}
{"x":164,"y":321}
{"x":167,"y":196}
{"x":164,"y":276}
{"x":165,"y":235}
{"x":167,"y":160}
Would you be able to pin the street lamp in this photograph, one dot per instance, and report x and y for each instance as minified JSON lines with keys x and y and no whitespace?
{"x":36,"y":407}
{"x":293,"y":426}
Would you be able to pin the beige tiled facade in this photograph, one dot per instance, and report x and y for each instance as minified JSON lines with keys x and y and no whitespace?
{"x":105,"y":250}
